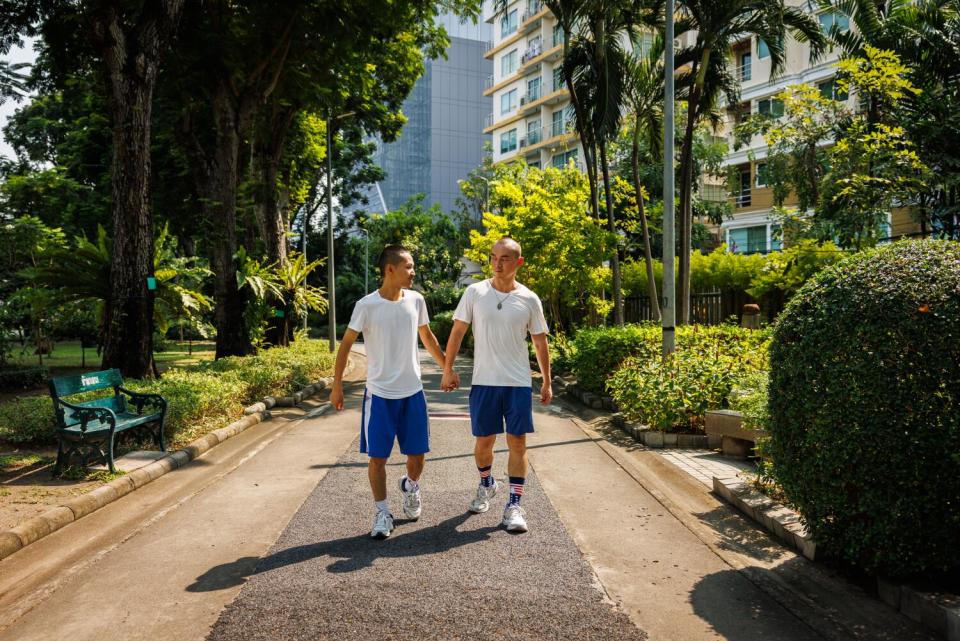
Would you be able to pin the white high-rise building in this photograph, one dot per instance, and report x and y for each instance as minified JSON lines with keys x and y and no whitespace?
{"x":532,"y":117}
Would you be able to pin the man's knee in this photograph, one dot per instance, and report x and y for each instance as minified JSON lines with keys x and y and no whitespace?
{"x":517,"y":444}
{"x":380,"y":463}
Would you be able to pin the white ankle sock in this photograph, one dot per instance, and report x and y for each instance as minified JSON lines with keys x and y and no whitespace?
{"x":383,"y":506}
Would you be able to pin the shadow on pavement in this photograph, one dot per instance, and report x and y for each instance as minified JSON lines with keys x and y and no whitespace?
{"x":350,"y":554}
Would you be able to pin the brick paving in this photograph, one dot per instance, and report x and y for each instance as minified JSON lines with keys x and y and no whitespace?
{"x":703,"y":465}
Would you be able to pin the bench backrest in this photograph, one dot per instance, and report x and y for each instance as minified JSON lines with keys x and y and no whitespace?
{"x":62,"y":386}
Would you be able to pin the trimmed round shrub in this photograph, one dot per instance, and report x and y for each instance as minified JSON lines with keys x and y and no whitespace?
{"x":865,"y":407}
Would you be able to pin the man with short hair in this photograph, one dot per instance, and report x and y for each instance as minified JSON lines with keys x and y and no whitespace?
{"x":394,"y":406}
{"x":502,"y":312}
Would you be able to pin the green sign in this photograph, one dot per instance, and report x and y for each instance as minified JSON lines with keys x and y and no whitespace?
{"x":279,"y":313}
{"x":151,"y":283}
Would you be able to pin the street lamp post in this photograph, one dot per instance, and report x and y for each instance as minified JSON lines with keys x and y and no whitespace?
{"x":331,"y":286}
{"x":668,"y":317}
{"x":366,"y":258}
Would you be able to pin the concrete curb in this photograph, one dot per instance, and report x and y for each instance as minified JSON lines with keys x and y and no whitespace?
{"x":782,"y":522}
{"x":34,"y":529}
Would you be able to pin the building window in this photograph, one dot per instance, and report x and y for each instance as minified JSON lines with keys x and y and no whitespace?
{"x":746,"y":67}
{"x":557,"y":35}
{"x":533,"y":90}
{"x":831,"y":19}
{"x":508,"y":64}
{"x":643,"y":46}
{"x":831,"y":91}
{"x":558,"y":124}
{"x":763,"y":50}
{"x":747,"y":240}
{"x":562,"y":160}
{"x":508,"y":141}
{"x":533,"y":131}
{"x":558,"y":82}
{"x":508,"y":101}
{"x":772,"y":107}
{"x":741,"y":195}
{"x":762,"y":179}
{"x":534,"y":164}
{"x":508,"y":24}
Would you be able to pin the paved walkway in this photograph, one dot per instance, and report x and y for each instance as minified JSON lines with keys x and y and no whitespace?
{"x":266,"y":537}
{"x":704,"y":465}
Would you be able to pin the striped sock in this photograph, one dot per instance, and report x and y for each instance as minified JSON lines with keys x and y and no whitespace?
{"x":516,"y":490}
{"x":485,"y":479}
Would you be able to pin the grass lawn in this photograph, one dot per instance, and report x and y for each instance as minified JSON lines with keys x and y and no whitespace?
{"x":68,"y":356}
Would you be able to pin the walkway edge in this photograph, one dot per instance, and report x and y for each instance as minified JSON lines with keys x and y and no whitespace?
{"x":37,"y":527}
{"x":820,"y":618}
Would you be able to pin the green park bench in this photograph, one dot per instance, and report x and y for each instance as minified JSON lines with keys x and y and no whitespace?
{"x":87,"y":428}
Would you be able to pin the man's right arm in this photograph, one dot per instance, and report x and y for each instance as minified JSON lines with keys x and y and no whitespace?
{"x":343,"y":353}
{"x":453,"y":346}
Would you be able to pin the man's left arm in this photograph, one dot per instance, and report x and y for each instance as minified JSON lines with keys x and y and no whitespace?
{"x":543,"y":360}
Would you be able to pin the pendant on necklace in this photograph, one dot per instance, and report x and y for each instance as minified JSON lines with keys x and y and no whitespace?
{"x":499,"y":305}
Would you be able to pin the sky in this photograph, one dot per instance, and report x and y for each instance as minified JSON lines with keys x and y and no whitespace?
{"x":21,"y":54}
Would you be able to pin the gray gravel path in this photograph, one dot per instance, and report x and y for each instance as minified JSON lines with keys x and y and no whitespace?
{"x":451,"y":575}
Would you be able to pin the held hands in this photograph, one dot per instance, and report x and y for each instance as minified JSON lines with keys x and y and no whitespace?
{"x":546,"y":393}
{"x":336,"y":396}
{"x":450,"y":382}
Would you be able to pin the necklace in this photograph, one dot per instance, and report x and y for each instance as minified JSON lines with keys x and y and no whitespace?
{"x":500,"y":301}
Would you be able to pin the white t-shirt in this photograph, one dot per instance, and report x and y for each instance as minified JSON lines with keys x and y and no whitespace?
{"x":500,"y":354}
{"x":389,"y":331}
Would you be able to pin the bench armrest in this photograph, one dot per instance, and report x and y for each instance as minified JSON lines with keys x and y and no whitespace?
{"x":85,"y":414}
{"x":145,"y":400}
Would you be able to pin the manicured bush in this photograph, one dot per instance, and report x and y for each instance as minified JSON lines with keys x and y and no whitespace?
{"x":441,"y":324}
{"x":865,"y":407}
{"x":200,"y":397}
{"x":750,"y":397}
{"x":598,"y":351}
{"x":674,"y":394}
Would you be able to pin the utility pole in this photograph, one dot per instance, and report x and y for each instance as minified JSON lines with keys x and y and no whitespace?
{"x":331,"y":286}
{"x":668,"y":317}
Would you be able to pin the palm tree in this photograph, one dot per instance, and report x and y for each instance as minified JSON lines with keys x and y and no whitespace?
{"x":708,"y":75}
{"x":645,"y":95}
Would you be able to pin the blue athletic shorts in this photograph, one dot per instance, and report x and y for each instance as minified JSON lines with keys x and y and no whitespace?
{"x":492,"y":406}
{"x":385,"y":419}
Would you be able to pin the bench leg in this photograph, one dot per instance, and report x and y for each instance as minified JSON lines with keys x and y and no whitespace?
{"x":160,"y":441}
{"x":109,"y":456}
{"x":59,"y":465}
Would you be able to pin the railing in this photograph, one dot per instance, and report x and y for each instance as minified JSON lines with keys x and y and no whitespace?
{"x":745,"y":72}
{"x":534,"y":136}
{"x":558,"y":128}
{"x":488,"y":120}
{"x":742,"y":199}
{"x":490,"y":45}
{"x":488,"y":82}
{"x":533,"y":8}
{"x":531,"y":96}
{"x":532,"y":52}
{"x":559,"y":83}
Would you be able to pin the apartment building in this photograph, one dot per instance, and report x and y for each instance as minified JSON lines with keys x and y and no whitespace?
{"x":751,"y":228}
{"x":532,"y":118}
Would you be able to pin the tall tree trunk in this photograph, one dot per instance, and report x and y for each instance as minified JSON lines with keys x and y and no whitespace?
{"x":612,"y":228}
{"x":131,"y":56}
{"x":686,"y":210}
{"x":647,"y":249}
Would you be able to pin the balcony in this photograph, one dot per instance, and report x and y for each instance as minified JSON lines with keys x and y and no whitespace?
{"x":489,"y":47}
{"x":742,"y":199}
{"x":488,"y":121}
{"x":560,"y":127}
{"x":534,"y":50}
{"x":745,"y":72}
{"x":533,"y":8}
{"x":534,"y":136}
{"x":488,"y":82}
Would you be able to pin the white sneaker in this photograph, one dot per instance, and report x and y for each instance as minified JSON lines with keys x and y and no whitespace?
{"x":513,"y":519}
{"x":411,"y":501}
{"x":382,"y":525}
{"x":481,"y":503}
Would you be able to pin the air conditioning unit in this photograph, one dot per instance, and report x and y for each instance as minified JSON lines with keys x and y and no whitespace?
{"x":523,"y":142}
{"x":523,"y":100}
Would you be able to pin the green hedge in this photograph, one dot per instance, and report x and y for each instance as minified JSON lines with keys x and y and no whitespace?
{"x":674,"y":394}
{"x":865,"y":407}
{"x":596,"y":352}
{"x":200,"y":397}
{"x":442,"y":324}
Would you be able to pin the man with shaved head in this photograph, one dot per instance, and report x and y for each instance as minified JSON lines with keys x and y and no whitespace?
{"x":502,"y":312}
